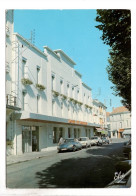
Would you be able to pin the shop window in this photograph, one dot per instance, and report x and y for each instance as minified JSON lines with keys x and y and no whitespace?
{"x":55,"y":135}
{"x":69,"y":133}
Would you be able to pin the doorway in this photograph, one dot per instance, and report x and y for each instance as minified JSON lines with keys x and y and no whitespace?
{"x":30,"y":139}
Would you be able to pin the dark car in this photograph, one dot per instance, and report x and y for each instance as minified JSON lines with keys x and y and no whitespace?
{"x":105,"y":140}
{"x":127,"y":149}
{"x":69,"y":144}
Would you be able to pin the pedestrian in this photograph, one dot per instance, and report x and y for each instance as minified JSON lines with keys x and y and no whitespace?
{"x":61,"y":141}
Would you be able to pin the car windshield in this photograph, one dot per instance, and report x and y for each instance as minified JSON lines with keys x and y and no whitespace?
{"x":93,"y":138}
{"x":82,"y":139}
{"x":69,"y":140}
{"x":104,"y":138}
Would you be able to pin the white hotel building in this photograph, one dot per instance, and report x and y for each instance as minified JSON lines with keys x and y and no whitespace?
{"x":45,"y":97}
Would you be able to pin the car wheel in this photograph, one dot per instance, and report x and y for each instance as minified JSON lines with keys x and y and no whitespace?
{"x":74,"y":148}
{"x":59,"y":151}
{"x":98,"y":144}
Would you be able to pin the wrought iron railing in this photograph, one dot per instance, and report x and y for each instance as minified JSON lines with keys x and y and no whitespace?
{"x":11,"y":100}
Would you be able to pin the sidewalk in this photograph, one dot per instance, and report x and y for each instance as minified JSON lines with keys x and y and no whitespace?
{"x":12,"y":159}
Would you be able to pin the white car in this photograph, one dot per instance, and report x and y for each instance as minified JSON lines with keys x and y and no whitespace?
{"x":84,"y":141}
{"x":95,"y":140}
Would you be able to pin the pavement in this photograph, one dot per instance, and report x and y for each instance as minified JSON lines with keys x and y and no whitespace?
{"x":13,"y":159}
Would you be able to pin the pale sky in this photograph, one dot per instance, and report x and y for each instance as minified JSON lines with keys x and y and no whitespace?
{"x":74,"y":32}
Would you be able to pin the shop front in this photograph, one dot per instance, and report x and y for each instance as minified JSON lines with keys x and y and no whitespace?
{"x":30,"y":139}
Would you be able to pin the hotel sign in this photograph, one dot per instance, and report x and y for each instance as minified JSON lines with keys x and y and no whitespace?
{"x":77,"y":122}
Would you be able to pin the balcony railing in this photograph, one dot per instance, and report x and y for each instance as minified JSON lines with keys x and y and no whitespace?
{"x":7,"y":31}
{"x":11,"y":100}
{"x":7,"y":67}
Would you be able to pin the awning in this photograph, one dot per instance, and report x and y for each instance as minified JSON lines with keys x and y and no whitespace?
{"x":127,"y":132}
{"x":121,"y":130}
{"x":104,"y":132}
{"x":99,"y":129}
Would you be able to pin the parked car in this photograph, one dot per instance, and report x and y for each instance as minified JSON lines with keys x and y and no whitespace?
{"x":105,"y":140}
{"x":96,"y":140}
{"x":70,"y":144}
{"x":127,"y":149}
{"x":84,"y":141}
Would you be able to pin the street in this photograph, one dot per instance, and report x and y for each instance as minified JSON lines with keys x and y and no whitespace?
{"x":88,"y":168}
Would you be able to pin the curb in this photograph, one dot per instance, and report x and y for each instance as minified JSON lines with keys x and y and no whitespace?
{"x":38,"y":157}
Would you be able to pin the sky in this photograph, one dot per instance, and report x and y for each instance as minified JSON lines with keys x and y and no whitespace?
{"x":75,"y":33}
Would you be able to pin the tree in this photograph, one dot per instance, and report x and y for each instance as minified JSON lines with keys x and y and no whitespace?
{"x":116,"y":32}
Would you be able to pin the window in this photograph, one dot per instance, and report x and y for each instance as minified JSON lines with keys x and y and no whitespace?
{"x":38,"y":71}
{"x":62,"y":109}
{"x":78,"y":94}
{"x":23,"y":67}
{"x":53,"y":81}
{"x":73,"y":91}
{"x":127,"y":123}
{"x":38,"y":98}
{"x":69,"y":133}
{"x":68,"y":89}
{"x":23,"y":100}
{"x":53,"y":108}
{"x":61,"y":86}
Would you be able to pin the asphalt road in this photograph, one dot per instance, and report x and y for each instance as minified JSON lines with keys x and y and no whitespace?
{"x":88,"y":168}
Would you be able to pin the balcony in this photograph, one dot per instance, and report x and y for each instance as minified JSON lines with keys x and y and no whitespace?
{"x":7,"y":67}
{"x":7,"y":31}
{"x":11,"y":102}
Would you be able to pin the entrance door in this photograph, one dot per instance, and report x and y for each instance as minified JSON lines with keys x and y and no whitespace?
{"x":26,"y":141}
{"x":35,"y":141}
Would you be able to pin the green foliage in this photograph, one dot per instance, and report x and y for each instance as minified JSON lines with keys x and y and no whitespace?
{"x":26,"y":81}
{"x":116,"y":28}
{"x":40,"y":87}
{"x":9,"y":143}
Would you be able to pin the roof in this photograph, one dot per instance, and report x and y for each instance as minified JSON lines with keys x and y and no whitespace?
{"x":107,"y":114}
{"x":99,"y":103}
{"x":86,"y":86}
{"x":117,"y":110}
{"x":66,"y":56}
{"x":30,"y":44}
{"x":49,"y":49}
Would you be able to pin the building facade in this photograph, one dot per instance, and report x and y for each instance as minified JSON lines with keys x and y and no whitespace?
{"x":46,"y":97}
{"x":99,"y":113}
{"x":120,"y":123}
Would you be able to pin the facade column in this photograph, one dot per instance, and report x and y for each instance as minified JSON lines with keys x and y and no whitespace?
{"x":18,"y":139}
{"x":72,"y":132}
{"x":92,"y":132}
{"x":57,"y":134}
{"x":82,"y":131}
{"x":42,"y":138}
{"x":111,"y":134}
{"x":76,"y":133}
{"x":116,"y":135}
{"x":65,"y":135}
